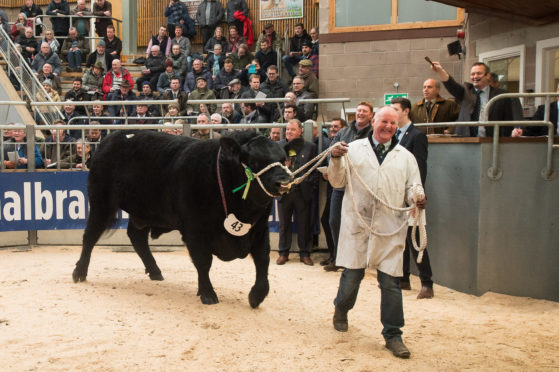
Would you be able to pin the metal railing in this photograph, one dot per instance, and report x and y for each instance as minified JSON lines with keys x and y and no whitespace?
{"x":91,"y":35}
{"x":495,"y":172}
{"x":30,"y":86}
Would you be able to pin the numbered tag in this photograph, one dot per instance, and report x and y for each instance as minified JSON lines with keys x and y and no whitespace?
{"x":236,"y":227}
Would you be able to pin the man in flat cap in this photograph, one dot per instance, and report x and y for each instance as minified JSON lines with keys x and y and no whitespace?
{"x":201,"y":92}
{"x":311,"y":81}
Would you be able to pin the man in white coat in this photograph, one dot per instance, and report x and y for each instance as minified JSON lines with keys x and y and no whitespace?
{"x":392,"y":174}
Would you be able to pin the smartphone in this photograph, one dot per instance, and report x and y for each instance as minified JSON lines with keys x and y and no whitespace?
{"x":251,"y":69}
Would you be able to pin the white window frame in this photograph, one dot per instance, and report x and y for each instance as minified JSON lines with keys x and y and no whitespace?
{"x":541,"y":67}
{"x":514,"y":51}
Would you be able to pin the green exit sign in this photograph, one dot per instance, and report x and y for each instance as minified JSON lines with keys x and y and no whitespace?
{"x":389,"y":96}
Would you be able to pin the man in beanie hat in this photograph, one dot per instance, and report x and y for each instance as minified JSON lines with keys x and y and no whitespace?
{"x":308,"y":54}
{"x":100,"y":55}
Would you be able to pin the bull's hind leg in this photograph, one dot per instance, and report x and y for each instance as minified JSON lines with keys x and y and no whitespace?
{"x":98,"y":221}
{"x":202,"y":259}
{"x":139,"y":239}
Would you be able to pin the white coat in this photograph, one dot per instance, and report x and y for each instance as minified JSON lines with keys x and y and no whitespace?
{"x":392,"y":181}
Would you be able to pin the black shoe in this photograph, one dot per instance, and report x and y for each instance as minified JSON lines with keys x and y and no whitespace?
{"x":405,"y":285}
{"x":327,"y":261}
{"x":340,"y":321}
{"x":398,"y":348}
{"x":332,"y":267}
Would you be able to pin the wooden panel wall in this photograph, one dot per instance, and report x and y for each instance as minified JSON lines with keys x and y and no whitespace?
{"x":150,"y":17}
{"x":19,"y":3}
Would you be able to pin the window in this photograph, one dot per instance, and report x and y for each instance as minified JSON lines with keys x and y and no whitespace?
{"x":508,"y":64}
{"x":367,"y":15}
{"x":547,"y":65}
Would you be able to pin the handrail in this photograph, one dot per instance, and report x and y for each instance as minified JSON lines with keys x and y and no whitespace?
{"x":495,"y":172}
{"x":27,"y":79}
{"x":547,"y":172}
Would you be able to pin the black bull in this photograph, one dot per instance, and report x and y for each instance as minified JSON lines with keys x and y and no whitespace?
{"x":170,"y":183}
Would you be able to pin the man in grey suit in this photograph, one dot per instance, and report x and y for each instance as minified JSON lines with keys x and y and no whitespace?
{"x":415,"y":141}
{"x":473,"y":98}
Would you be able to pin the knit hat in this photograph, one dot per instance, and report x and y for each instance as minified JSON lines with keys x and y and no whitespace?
{"x":101,"y":43}
{"x":146,"y":82}
{"x":47,"y":81}
{"x":168,"y":63}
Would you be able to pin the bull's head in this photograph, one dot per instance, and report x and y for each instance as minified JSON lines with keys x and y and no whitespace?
{"x":257,"y":152}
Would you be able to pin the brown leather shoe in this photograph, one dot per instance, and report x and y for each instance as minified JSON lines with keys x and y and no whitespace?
{"x":398,"y":348}
{"x":306,"y":260}
{"x":332,"y":267}
{"x":405,"y":286}
{"x":282,"y":260}
{"x":426,"y":292}
{"x":340,"y":321}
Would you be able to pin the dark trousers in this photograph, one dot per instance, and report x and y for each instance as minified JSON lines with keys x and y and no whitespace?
{"x":325,"y":222}
{"x":424,"y":267}
{"x":391,"y":306}
{"x":336,"y":216}
{"x":294,"y":202}
{"x":207,"y":33}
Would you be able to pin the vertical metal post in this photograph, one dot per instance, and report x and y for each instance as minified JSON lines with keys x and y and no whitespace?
{"x":30,"y":140}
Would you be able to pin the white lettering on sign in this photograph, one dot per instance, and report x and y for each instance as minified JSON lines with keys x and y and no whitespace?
{"x":38,"y":204}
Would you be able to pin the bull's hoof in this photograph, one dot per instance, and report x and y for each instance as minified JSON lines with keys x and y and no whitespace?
{"x":257,"y":295}
{"x":208,"y":298}
{"x":78,"y":276}
{"x":156,"y":276}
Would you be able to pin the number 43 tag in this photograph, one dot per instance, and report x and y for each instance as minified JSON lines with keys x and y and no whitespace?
{"x":236,"y":227}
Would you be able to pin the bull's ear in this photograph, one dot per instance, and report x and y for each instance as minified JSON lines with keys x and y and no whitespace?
{"x":230,"y":146}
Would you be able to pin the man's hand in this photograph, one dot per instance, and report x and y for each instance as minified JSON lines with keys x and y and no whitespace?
{"x":421,"y":203}
{"x":438,"y":68}
{"x":517,"y":132}
{"x":339,"y":149}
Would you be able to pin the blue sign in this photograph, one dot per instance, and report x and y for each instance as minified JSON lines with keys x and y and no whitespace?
{"x":55,"y":201}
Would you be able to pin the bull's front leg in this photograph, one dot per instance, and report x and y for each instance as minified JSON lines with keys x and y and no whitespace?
{"x":260,"y":252}
{"x":202,"y":260}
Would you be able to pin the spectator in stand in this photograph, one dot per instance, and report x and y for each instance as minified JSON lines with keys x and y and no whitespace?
{"x":147,"y":94}
{"x":93,"y":82}
{"x":68,"y":113}
{"x":100,"y":56}
{"x":164,"y":81}
{"x":74,"y":49}
{"x":308,"y":54}
{"x":162,"y":40}
{"x":29,"y":45}
{"x":197,"y":71}
{"x":115,"y":76}
{"x":77,"y":94}
{"x":32,"y":11}
{"x":274,"y":88}
{"x":264,"y":110}
{"x":266,"y":56}
{"x":314,"y":37}
{"x":51,"y":41}
{"x":113,"y":45}
{"x":215,"y":60}
{"x":295,"y":48}
{"x":18,"y":28}
{"x":172,"y":112}
{"x":234,"y":91}
{"x":17,"y":144}
{"x":58,"y":138}
{"x":54,"y":96}
{"x":180,"y":63}
{"x":311,"y":81}
{"x":275,"y":134}
{"x":103,"y":8}
{"x":94,"y":136}
{"x":154,"y":66}
{"x":229,"y":114}
{"x":236,"y":6}
{"x":46,"y":73}
{"x":60,"y":25}
{"x":46,"y":55}
{"x":307,"y":109}
{"x":204,"y":134}
{"x":269,"y":34}
{"x":235,"y":40}
{"x":142,"y":115}
{"x":251,"y":69}
{"x":176,"y":13}
{"x":182,"y":41}
{"x":125,"y":93}
{"x":242,"y":57}
{"x":208,"y":15}
{"x":201,"y":92}
{"x":224,"y":77}
{"x":81,"y":160}
{"x":217,"y":38}
{"x":4,"y":21}
{"x":98,"y":114}
{"x":81,"y":24}
{"x":175,"y":92}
